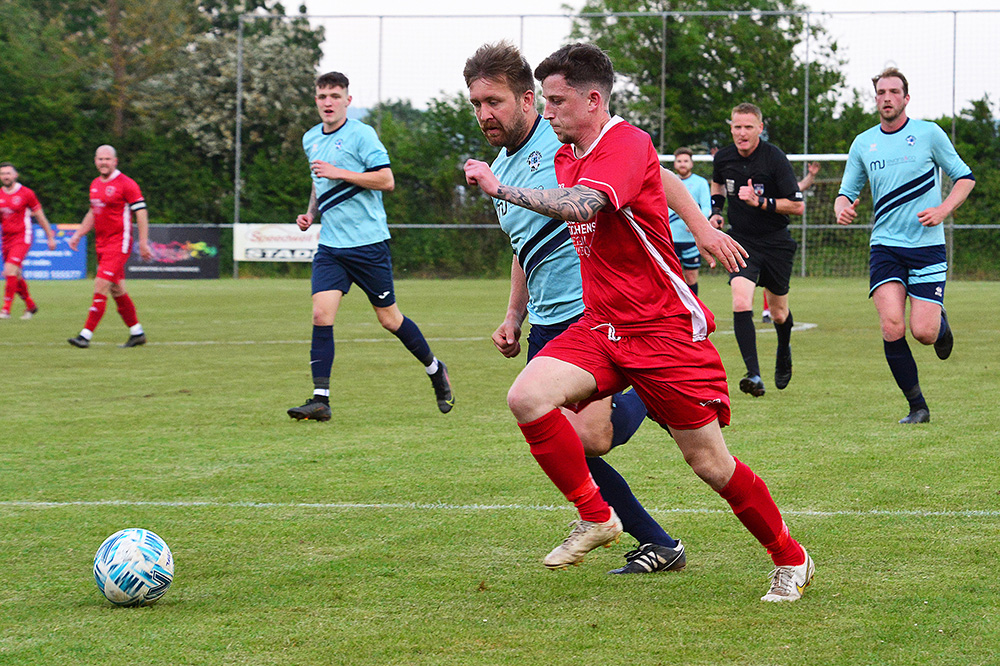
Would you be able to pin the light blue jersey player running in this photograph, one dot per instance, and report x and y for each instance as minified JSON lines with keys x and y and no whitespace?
{"x":684,"y":245}
{"x":900,"y":158}
{"x":350,"y":170}
{"x":546,"y":286}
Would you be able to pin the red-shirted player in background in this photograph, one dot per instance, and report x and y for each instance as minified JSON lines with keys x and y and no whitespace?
{"x":641,"y":325}
{"x":18,"y":204}
{"x":113,"y":198}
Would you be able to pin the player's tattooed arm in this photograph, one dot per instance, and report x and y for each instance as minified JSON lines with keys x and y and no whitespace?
{"x":574,"y":204}
{"x":313,"y":208}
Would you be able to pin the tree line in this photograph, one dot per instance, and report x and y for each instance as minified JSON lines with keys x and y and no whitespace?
{"x":157,"y":79}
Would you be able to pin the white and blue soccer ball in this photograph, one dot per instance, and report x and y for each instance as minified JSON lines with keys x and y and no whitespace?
{"x":133,"y":567}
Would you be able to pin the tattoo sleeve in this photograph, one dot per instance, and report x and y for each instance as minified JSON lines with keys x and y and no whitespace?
{"x":313,"y":208}
{"x":575,"y":204}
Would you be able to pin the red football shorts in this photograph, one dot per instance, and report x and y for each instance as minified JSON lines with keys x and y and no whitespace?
{"x":111,"y":265}
{"x":682,"y":382}
{"x":14,"y":253}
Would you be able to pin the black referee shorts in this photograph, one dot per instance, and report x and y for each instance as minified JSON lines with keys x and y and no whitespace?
{"x":770,"y":262}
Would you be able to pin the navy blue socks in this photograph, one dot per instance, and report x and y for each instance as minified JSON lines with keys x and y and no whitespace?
{"x":411,"y":337}
{"x":321,"y":359}
{"x":904,"y":371}
{"x":616,"y":492}
{"x":627,"y":414}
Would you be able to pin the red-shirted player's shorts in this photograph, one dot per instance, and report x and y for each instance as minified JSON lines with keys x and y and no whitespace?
{"x":14,"y":253}
{"x":111,"y":265}
{"x":682,"y":382}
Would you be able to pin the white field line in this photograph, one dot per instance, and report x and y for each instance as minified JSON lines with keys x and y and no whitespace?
{"x":388,"y":338}
{"x":444,"y":506}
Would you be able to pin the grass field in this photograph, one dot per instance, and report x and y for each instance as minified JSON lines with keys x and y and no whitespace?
{"x":395,"y":535}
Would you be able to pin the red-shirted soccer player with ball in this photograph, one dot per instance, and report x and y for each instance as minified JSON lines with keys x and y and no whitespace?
{"x":113,"y":198}
{"x":641,"y":325}
{"x":18,"y":205}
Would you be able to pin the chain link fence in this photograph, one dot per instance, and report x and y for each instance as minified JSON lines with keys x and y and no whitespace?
{"x":949,"y":56}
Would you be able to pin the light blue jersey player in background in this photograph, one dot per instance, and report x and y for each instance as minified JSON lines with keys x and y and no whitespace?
{"x":900,"y":158}
{"x":547,"y":288}
{"x":350,"y":170}
{"x":684,"y":245}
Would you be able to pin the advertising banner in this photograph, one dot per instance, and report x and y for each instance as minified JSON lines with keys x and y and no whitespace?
{"x":274,"y":242}
{"x":61,"y":263}
{"x":180,"y":252}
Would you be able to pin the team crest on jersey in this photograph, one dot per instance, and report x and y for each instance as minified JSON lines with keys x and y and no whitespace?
{"x":534,"y":160}
{"x":874,"y":148}
{"x":17,"y":201}
{"x":338,"y":144}
{"x":109,"y":191}
{"x":910,"y":140}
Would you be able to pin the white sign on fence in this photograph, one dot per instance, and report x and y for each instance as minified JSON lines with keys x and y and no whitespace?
{"x":274,"y":242}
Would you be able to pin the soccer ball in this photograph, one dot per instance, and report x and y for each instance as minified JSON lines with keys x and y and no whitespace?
{"x":133,"y":567}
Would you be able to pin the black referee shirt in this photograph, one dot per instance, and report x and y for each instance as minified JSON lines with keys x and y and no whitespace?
{"x":767,"y":166}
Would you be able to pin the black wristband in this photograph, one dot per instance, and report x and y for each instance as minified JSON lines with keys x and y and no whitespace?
{"x":718,"y":203}
{"x":761,"y":202}
{"x":772,"y":205}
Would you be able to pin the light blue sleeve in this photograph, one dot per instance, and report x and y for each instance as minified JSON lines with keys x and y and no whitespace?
{"x":704,"y":198}
{"x":945,"y":155}
{"x":371,"y":151}
{"x":855,"y":176}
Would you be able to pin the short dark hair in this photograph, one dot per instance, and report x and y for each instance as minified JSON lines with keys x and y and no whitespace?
{"x":748,"y":108}
{"x":7,"y":164}
{"x":683,"y":150}
{"x":500,"y":62}
{"x":332,"y":80}
{"x":891,"y":72}
{"x":582,"y":65}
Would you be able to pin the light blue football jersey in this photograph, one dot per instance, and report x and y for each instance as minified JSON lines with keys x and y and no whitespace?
{"x":542,"y":245}
{"x":902,"y":169}
{"x":351,"y":216}
{"x":702,"y":195}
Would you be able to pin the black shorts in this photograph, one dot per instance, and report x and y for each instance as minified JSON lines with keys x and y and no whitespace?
{"x":770,"y":262}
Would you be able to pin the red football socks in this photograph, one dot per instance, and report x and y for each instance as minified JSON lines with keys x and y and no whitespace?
{"x":126,"y":308}
{"x":558,"y":451}
{"x":96,"y":311}
{"x":751,"y":501}
{"x":22,"y":291}
{"x":9,"y":289}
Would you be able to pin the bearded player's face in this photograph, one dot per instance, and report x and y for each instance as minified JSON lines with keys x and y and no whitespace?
{"x":504,"y":117}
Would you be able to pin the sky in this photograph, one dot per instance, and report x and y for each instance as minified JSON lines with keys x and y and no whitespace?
{"x":423,"y":56}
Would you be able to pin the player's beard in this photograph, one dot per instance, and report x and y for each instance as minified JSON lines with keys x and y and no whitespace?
{"x":508,"y":137}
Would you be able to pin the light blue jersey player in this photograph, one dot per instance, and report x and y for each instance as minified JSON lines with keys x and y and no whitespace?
{"x":543,"y":250}
{"x":684,"y":245}
{"x":350,"y":170}
{"x":900,"y":158}
{"x":546,"y":286}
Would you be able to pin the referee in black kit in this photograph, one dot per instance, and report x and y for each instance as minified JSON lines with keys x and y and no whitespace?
{"x":757,"y":179}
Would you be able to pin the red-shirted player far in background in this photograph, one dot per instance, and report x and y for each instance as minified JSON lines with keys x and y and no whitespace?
{"x":113,"y":198}
{"x":18,"y":205}
{"x":641,"y":325}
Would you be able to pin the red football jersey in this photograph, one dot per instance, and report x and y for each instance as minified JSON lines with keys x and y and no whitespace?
{"x":15,"y":211}
{"x":112,"y":202}
{"x":631,"y":275}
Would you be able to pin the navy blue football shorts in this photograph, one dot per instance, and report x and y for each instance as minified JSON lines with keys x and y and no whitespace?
{"x":770,"y":262}
{"x":922,"y":270}
{"x":689,"y":255}
{"x":542,"y":334}
{"x":368,"y":266}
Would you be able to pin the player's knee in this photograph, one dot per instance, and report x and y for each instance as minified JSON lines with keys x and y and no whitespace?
{"x":925,"y":333}
{"x":709,"y":468}
{"x":525,"y":403}
{"x":596,"y":438}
